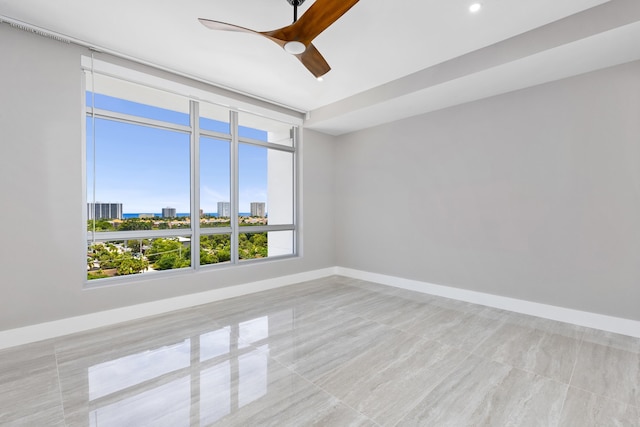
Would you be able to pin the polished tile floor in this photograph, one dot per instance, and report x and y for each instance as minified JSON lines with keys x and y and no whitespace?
{"x":331,"y":352}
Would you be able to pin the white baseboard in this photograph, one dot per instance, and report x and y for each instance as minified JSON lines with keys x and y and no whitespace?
{"x":58,"y":328}
{"x":583,"y":318}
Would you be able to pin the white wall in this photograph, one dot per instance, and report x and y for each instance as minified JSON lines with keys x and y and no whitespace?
{"x":533,"y":195}
{"x":42,"y":254}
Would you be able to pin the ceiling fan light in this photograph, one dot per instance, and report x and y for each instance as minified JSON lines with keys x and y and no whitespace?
{"x":294,"y":47}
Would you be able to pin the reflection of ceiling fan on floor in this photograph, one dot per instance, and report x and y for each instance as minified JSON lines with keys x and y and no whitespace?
{"x":296,"y":38}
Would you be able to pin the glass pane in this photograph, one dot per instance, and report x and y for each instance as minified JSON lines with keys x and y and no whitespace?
{"x":214,"y":118}
{"x":266,"y":186}
{"x":280,"y":242}
{"x":215,"y":248}
{"x":266,"y":244}
{"x":264,"y":129}
{"x":137,"y":256}
{"x":215,"y":183}
{"x":134,"y":175}
{"x":252,"y":245}
{"x":280,"y":187}
{"x":137,"y":100}
{"x":252,"y":181}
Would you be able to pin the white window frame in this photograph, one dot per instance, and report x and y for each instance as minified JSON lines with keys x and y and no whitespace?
{"x":195,"y":96}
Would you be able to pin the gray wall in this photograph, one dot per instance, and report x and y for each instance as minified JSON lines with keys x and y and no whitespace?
{"x":533,"y":194}
{"x":42,"y":251}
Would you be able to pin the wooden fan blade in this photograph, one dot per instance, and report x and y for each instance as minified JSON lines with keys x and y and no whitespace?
{"x":217,"y":25}
{"x":311,"y":58}
{"x":314,"y":61}
{"x":315,"y":20}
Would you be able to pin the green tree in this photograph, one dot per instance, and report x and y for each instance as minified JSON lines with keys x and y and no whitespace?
{"x":167,"y":254}
{"x":99,"y":274}
{"x":136,"y":245}
{"x":100,"y":225}
{"x":131,"y":265}
{"x":134,"y":224}
{"x":109,"y":256}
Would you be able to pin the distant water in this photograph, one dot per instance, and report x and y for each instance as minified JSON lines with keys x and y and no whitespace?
{"x":178,"y":215}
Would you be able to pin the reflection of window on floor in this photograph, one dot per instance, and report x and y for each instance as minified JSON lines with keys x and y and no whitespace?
{"x":214,"y":374}
{"x":253,"y":331}
{"x":214,"y":344}
{"x":169,"y":402}
{"x":119,"y":374}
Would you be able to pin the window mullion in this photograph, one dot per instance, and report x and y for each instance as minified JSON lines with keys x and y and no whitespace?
{"x":233,"y":120}
{"x":295,"y":134}
{"x":137,"y":120}
{"x":194,"y":112}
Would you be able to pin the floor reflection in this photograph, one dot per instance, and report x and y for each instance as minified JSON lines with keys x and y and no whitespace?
{"x":119,"y":374}
{"x":198,"y":380}
{"x":169,"y":403}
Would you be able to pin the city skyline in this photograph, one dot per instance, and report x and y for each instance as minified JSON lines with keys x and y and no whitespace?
{"x":104,"y":210}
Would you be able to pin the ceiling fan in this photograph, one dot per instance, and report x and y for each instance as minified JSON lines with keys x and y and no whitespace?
{"x":296,"y":38}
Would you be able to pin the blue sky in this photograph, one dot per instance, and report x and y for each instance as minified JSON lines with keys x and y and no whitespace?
{"x":147,"y":169}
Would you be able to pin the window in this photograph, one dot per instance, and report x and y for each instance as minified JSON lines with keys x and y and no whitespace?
{"x":177,"y":183}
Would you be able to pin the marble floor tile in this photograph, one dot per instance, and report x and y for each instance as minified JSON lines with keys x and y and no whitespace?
{"x":532,"y":350}
{"x":384,"y":308}
{"x":289,"y":400}
{"x":487,"y":393}
{"x":608,"y":372}
{"x":610,"y":339}
{"x":289,"y":331}
{"x":384,"y":383}
{"x":416,"y":296}
{"x":329,"y":352}
{"x":455,"y":326}
{"x":545,"y":325}
{"x":29,"y":387}
{"x":582,"y":408}
{"x":370,"y":286}
{"x":314,"y":359}
{"x":133,"y":336}
{"x":345,"y":296}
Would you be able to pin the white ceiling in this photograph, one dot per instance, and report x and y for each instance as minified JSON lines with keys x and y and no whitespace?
{"x":389,"y":59}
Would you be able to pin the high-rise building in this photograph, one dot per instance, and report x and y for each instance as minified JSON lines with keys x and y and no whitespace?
{"x":224,"y":209}
{"x":257,"y":209}
{"x":168,"y":212}
{"x":104,"y":210}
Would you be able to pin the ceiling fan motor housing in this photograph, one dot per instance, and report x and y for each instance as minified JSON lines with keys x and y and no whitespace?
{"x":295,"y":2}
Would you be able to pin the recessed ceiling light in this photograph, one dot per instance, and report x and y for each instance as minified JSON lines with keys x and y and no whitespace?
{"x":320,"y":79}
{"x":474,"y":8}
